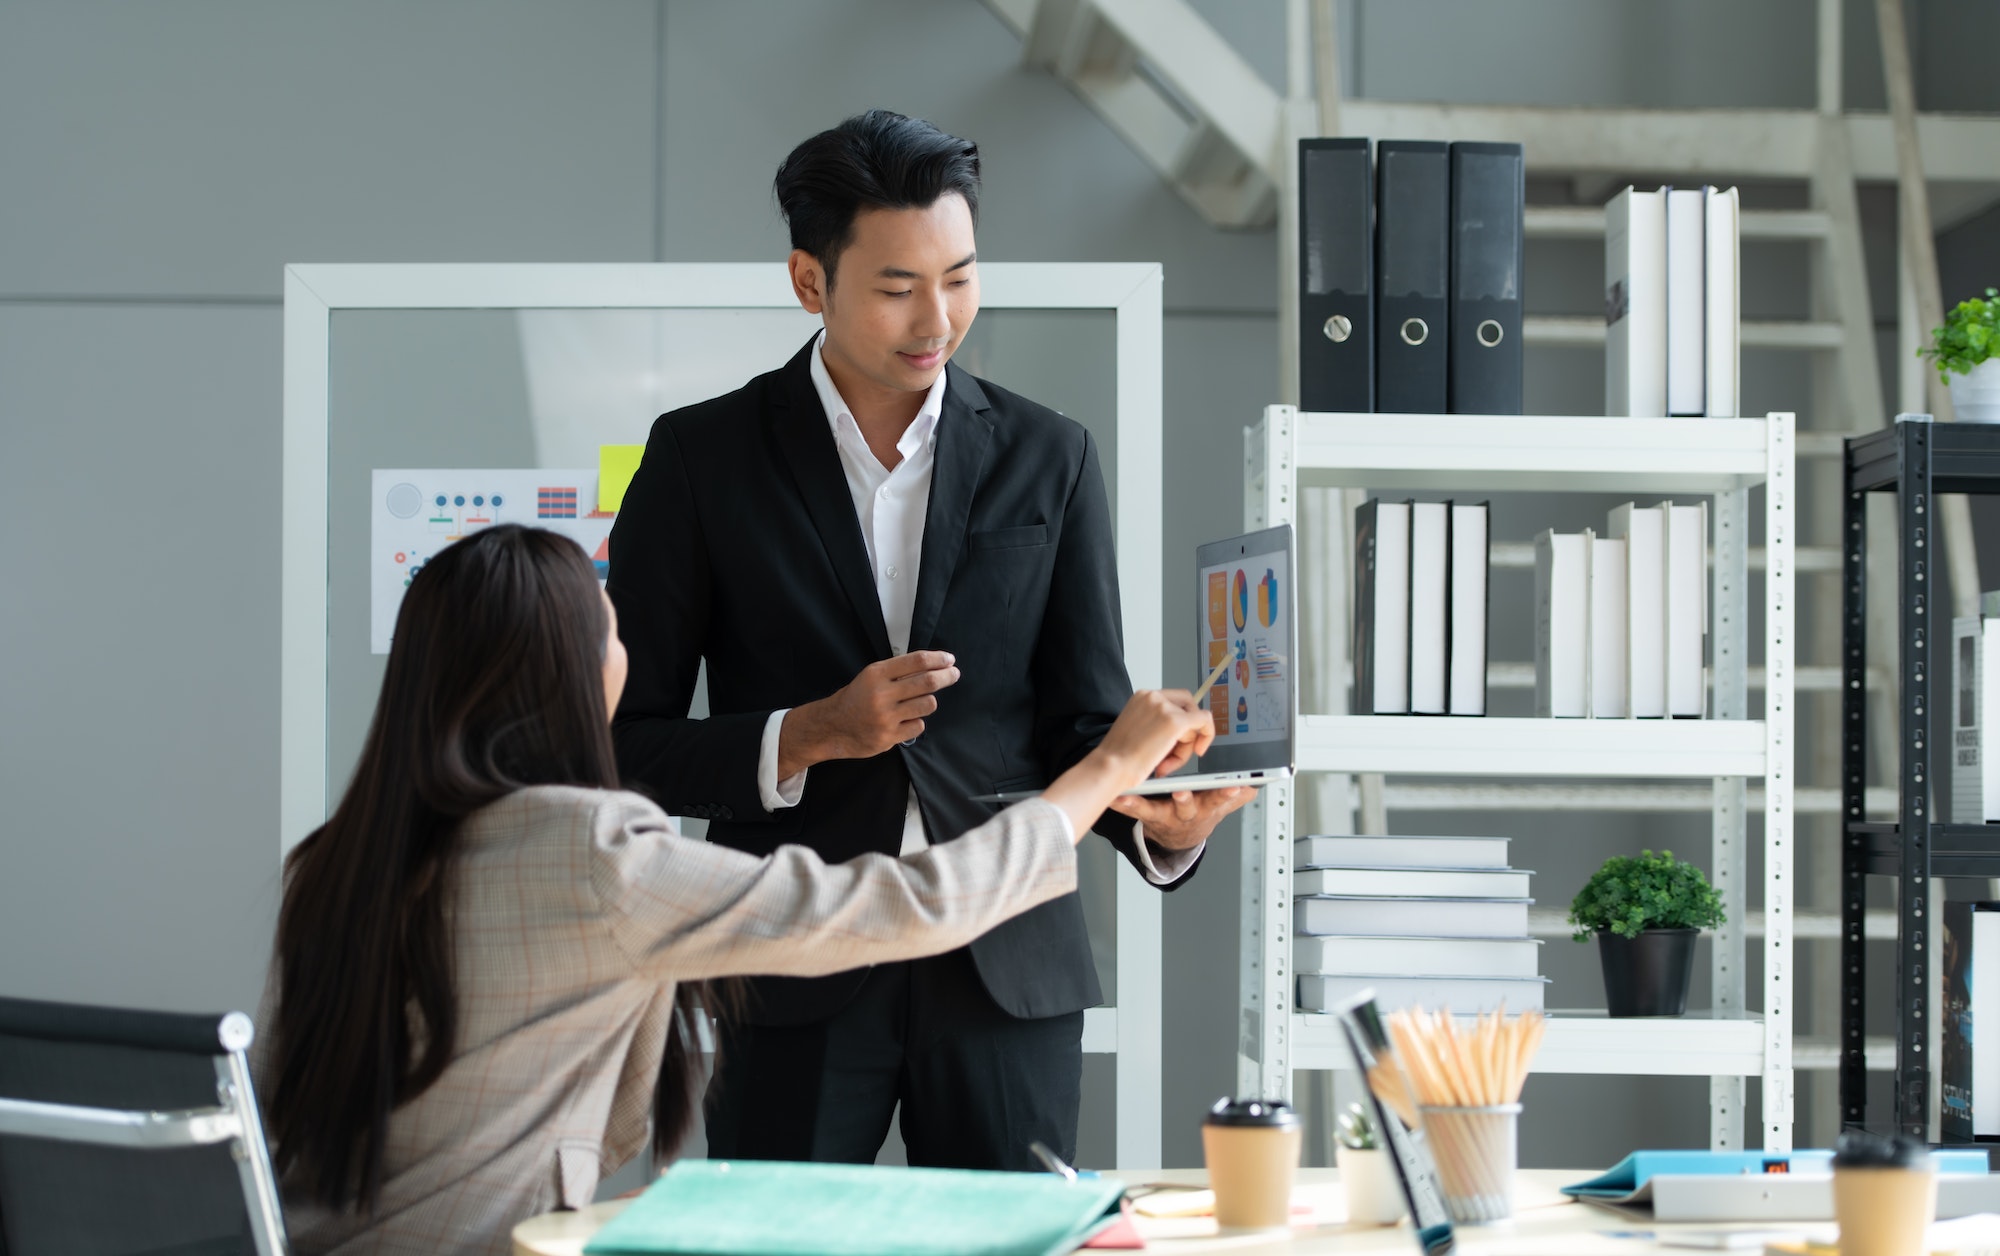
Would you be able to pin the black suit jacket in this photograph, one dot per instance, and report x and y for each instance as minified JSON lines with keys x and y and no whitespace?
{"x":737,"y":544}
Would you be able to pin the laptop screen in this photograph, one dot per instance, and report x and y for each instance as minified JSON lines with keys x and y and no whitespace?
{"x":1247,"y":612}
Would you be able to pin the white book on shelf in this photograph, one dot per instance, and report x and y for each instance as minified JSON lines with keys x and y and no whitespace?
{"x":1463,"y":995}
{"x":1989,"y":712}
{"x":1382,"y":608}
{"x":1430,"y":588}
{"x":1418,"y":957}
{"x":1687,"y":609}
{"x":1723,"y":298}
{"x":1985,"y":983}
{"x":1344,"y":851}
{"x":1644,"y":531}
{"x":1412,"y":916}
{"x":1968,"y":775}
{"x":1687,"y":228}
{"x":1413,"y":882}
{"x":1609,"y":640}
{"x":1471,"y":551}
{"x":1635,"y":304}
{"x":1562,"y":622}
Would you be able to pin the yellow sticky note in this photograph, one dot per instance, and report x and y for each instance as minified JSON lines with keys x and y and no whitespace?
{"x":616,"y":465}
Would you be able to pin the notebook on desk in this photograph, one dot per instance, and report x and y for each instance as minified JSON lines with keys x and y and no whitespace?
{"x":759,"y":1208}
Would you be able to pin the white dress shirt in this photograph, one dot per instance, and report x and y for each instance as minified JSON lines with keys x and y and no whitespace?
{"x":892,"y":504}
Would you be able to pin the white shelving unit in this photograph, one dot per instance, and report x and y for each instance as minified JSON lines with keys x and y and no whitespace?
{"x":1721,"y":458}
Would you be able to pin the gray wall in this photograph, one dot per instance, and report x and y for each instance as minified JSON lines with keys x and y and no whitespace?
{"x":161,"y":162}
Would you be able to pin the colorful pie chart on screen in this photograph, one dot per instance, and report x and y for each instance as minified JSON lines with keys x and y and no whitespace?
{"x":1267,"y":598}
{"x":1239,"y":601}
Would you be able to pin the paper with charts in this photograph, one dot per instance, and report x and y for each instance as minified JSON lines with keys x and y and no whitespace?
{"x":414,"y":514}
{"x":1252,"y":699}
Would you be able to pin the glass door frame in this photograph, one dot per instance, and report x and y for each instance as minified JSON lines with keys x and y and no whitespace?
{"x":1129,"y":290}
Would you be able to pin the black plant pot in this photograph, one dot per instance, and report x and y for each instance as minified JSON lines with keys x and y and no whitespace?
{"x":1647,"y":975}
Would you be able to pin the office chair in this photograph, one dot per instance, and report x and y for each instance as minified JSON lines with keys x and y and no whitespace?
{"x":131,"y":1133}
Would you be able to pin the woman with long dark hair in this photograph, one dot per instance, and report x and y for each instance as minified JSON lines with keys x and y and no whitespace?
{"x":490,"y":961}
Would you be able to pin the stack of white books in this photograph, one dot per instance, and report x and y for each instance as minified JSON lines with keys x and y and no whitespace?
{"x":1621,"y":619}
{"x":1434,"y":922}
{"x":1420,"y":587}
{"x":1671,"y":304}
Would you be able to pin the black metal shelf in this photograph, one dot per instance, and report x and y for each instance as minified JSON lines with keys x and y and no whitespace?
{"x":1964,"y":457}
{"x":1956,"y":850}
{"x":1915,"y":459}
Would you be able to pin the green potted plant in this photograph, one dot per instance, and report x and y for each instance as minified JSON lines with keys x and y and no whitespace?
{"x":1966,"y":352}
{"x":1645,"y":912}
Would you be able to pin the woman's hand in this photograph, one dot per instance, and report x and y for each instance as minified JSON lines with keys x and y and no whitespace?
{"x":1159,"y":730}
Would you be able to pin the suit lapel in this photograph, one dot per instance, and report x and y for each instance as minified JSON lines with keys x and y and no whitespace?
{"x":800,"y":426}
{"x":964,"y":435}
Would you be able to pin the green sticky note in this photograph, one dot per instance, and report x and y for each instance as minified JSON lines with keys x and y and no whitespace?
{"x":616,"y":465}
{"x":772,"y":1208}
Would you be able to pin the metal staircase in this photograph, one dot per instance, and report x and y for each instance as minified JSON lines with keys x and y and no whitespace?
{"x":1198,"y":112}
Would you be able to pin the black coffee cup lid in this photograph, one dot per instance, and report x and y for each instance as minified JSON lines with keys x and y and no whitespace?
{"x":1266,"y":1112}
{"x":1858,"y":1149}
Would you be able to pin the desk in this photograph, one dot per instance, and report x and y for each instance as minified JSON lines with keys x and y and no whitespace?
{"x":1546,"y":1223}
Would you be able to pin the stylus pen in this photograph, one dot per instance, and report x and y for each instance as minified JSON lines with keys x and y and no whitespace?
{"x":1215,"y":674}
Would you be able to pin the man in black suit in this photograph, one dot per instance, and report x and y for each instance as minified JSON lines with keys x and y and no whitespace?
{"x":903,"y":583}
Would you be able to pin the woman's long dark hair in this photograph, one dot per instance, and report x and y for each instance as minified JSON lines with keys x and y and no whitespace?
{"x":495,"y":682}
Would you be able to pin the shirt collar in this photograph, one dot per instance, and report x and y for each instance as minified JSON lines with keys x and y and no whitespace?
{"x":923,"y":428}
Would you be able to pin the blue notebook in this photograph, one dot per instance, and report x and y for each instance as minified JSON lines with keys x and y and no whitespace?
{"x":776,"y":1208}
{"x":1634,"y":1171}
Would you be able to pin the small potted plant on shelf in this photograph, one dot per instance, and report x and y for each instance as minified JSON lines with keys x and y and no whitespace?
{"x":1646,"y":912}
{"x":1966,"y":352}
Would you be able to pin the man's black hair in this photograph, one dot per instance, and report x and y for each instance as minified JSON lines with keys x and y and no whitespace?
{"x":873,"y":160}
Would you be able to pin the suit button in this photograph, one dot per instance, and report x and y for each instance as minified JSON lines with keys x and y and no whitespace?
{"x":723,"y":813}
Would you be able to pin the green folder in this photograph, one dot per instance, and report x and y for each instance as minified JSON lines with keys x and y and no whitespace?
{"x":775,"y":1208}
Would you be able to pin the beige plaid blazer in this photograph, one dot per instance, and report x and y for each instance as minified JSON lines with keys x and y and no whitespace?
{"x":576,"y":911}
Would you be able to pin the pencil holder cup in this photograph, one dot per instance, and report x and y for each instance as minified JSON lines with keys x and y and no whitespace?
{"x":1475,"y":1150}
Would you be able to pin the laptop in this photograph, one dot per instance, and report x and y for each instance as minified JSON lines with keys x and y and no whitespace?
{"x":1245,"y":606}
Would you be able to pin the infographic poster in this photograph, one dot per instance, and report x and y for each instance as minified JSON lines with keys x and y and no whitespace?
{"x":416,"y":513}
{"x":1251,"y":700}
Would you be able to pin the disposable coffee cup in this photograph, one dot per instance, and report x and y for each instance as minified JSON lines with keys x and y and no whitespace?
{"x":1252,"y":1150}
{"x":1884,"y":1195}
